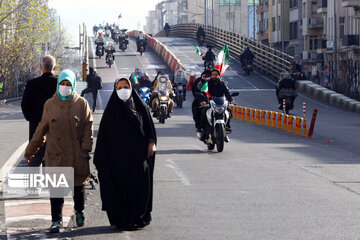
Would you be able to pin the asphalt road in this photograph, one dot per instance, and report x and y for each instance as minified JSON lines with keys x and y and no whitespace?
{"x":267,"y":184}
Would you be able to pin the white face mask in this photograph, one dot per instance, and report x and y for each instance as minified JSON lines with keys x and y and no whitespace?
{"x":124,"y":94}
{"x":65,"y":91}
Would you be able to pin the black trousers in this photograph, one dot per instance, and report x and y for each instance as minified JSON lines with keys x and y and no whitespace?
{"x":94,"y":94}
{"x":57,"y":204}
{"x":197,"y":112}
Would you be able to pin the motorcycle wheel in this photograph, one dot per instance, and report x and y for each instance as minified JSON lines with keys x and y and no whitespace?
{"x":162,"y":115}
{"x":220,"y":135}
{"x":210,"y":146}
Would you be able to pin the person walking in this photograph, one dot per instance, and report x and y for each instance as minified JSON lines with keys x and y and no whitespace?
{"x":67,"y":125}
{"x":125,"y":158}
{"x":37,"y":92}
{"x":94,"y":83}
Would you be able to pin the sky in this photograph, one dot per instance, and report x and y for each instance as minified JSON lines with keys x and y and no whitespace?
{"x":91,"y":12}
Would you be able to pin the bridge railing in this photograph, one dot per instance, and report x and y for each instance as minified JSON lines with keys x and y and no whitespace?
{"x":268,"y":60}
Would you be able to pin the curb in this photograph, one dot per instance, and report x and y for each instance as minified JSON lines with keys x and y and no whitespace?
{"x":2,"y":102}
{"x":328,"y":96}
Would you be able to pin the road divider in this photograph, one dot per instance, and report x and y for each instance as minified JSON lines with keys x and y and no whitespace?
{"x":286,"y":122}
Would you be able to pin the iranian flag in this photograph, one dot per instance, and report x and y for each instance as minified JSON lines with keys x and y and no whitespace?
{"x":222,"y":62}
{"x":205,"y":88}
{"x":135,"y":79}
{"x":198,"y":51}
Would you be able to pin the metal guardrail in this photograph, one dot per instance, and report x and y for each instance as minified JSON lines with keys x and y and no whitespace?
{"x":268,"y":60}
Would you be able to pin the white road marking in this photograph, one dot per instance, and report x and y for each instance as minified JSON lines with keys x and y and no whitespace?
{"x":33,"y":217}
{"x":13,"y":159}
{"x":251,"y":90}
{"x":11,"y":203}
{"x":184,"y":180}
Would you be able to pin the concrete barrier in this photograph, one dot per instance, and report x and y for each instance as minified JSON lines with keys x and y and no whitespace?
{"x":328,"y":96}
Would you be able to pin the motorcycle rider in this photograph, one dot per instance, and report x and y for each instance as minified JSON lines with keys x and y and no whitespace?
{"x":218,"y":88}
{"x":285,"y":87}
{"x":167,"y":29}
{"x":209,"y":55}
{"x":179,"y":79}
{"x":163,"y":79}
{"x":141,"y":41}
{"x":196,"y":91}
{"x":200,"y":32}
{"x":246,"y":55}
{"x":145,"y":81}
{"x":100,"y":41}
{"x":110,"y":49}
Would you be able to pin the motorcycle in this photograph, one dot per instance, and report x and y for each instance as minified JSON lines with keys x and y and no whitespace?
{"x":179,"y":95}
{"x":144,"y":93}
{"x":289,"y":95}
{"x":110,"y":59}
{"x":217,"y":116}
{"x":162,"y":106}
{"x":99,"y":51}
{"x":247,"y":66}
{"x":123,"y":44}
{"x":201,"y":40}
{"x":141,"y":49}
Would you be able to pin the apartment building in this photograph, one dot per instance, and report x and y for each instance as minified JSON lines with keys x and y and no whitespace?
{"x":231,"y":15}
{"x":273,"y":16}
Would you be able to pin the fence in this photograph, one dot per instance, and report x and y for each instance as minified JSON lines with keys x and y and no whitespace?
{"x":286,"y":122}
{"x":267,"y":60}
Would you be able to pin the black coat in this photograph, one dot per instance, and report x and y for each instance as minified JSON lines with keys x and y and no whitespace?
{"x":37,"y":92}
{"x":200,"y":32}
{"x":124,"y":172}
{"x":219,"y":90}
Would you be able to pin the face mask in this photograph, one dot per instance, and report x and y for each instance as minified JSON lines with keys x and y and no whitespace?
{"x":65,"y":91}
{"x":124,"y":94}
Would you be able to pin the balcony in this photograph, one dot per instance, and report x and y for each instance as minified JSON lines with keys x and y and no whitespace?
{"x":315,"y":22}
{"x":350,"y":3}
{"x":357,"y":11}
{"x":322,"y":6}
{"x":350,"y":40}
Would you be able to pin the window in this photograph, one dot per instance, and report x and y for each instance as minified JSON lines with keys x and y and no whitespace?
{"x":293,"y":3}
{"x":266,"y":19}
{"x":273,"y":24}
{"x":342,"y":27}
{"x":293,"y":30}
{"x":226,"y":2}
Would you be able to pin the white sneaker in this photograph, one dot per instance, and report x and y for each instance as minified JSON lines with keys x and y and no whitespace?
{"x":198,"y":134}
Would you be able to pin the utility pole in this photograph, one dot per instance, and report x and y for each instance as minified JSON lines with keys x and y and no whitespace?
{"x":282,"y":26}
{"x":229,"y":16}
{"x":254,"y":11}
{"x":205,"y":11}
{"x":335,"y":48}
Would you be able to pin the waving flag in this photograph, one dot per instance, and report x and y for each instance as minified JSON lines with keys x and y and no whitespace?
{"x":135,"y":79}
{"x":205,"y":88}
{"x":222,"y":62}
{"x":198,"y":51}
{"x":119,"y":16}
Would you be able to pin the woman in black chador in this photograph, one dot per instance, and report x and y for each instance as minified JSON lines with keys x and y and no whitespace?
{"x":125,"y":157}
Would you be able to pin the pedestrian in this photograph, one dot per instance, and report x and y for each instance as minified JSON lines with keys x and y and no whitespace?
{"x":125,"y":158}
{"x":314,"y":73}
{"x":37,"y":92}
{"x":94,"y":83}
{"x":67,"y":124}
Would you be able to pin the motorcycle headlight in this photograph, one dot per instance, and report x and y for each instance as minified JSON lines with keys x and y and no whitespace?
{"x":181,"y":87}
{"x":143,"y":90}
{"x":163,"y":98}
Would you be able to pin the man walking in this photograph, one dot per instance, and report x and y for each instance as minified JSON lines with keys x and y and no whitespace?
{"x":37,"y":92}
{"x":94,"y":83}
